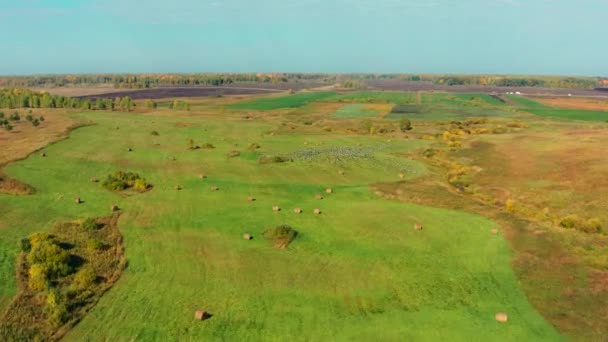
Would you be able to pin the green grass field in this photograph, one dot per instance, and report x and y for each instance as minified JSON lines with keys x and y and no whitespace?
{"x":281,"y":101}
{"x":540,"y":109}
{"x":358,"y":271}
{"x":354,"y":111}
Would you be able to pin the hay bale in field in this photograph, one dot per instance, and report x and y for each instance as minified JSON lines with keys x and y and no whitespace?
{"x":297,"y":210}
{"x":233,"y":154}
{"x":495,"y":231}
{"x":201,"y":315}
{"x":341,"y":172}
{"x":215,"y":188}
{"x":417,"y":226}
{"x":202,"y":176}
{"x":317,"y":211}
{"x":247,"y":236}
{"x":253,"y":146}
{"x":94,"y":180}
{"x":318,"y":196}
{"x":78,"y":200}
{"x":276,"y":208}
{"x":329,"y":190}
{"x":402,"y":175}
{"x":251,"y":198}
{"x":173,"y":158}
{"x":115,"y":208}
{"x":501,"y":317}
{"x":178,"y":187}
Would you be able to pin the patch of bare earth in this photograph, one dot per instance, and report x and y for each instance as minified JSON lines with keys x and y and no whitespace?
{"x":575,"y":103}
{"x":25,"y":138}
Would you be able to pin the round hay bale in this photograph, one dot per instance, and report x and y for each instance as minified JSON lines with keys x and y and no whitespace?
{"x":215,"y":188}
{"x":173,"y":158}
{"x":329,"y":190}
{"x":402,"y":175}
{"x":418,"y":226}
{"x":341,"y":172}
{"x":178,"y":187}
{"x":115,"y":208}
{"x":495,"y":231}
{"x":276,"y":208}
{"x":251,"y":199}
{"x":202,"y":176}
{"x":318,"y":196}
{"x":78,"y":200}
{"x":501,"y":317}
{"x":201,"y":315}
{"x":317,"y":211}
{"x":247,"y":236}
{"x":94,"y":180}
{"x":297,"y":210}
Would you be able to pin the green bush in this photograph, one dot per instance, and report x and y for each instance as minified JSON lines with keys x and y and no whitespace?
{"x":56,"y":309}
{"x":95,"y":244}
{"x":54,"y":260}
{"x":281,"y":236}
{"x":405,"y":125}
{"x":570,"y":221}
{"x":593,"y":225}
{"x":25,"y":245}
{"x":121,"y":180}
{"x":155,"y":133}
{"x":89,"y":224}
{"x":85,"y":278}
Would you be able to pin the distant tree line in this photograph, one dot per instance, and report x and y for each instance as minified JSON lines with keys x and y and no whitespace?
{"x":25,"y":98}
{"x":144,"y":81}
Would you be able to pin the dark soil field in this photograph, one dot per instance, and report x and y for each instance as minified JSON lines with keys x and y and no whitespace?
{"x":402,"y":85}
{"x":177,"y":92}
{"x":162,"y":93}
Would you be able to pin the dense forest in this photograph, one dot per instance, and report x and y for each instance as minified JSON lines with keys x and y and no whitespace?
{"x":144,"y":81}
{"x":24,"y":98}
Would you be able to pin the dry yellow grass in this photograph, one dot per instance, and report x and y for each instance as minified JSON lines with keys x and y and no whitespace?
{"x":25,"y":138}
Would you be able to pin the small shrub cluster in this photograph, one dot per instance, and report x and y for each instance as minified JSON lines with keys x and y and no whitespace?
{"x":281,"y":236}
{"x":121,"y":180}
{"x":90,"y":224}
{"x":34,"y":121}
{"x":457,"y":176}
{"x":572,"y":221}
{"x":405,"y":125}
{"x":47,"y":261}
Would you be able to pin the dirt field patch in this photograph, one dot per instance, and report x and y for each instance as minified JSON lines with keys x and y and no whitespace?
{"x":25,"y":138}
{"x":575,"y":103}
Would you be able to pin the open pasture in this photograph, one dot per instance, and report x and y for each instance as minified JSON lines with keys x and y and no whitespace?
{"x":357,"y":270}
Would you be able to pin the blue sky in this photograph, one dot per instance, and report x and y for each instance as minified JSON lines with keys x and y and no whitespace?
{"x":436,"y":36}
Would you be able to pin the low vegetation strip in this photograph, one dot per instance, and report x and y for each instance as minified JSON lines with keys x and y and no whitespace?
{"x":287,"y":101}
{"x":61,"y":277}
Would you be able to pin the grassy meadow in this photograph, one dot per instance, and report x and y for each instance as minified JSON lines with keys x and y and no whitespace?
{"x":358,"y":271}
